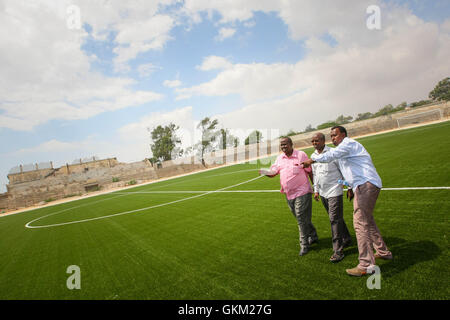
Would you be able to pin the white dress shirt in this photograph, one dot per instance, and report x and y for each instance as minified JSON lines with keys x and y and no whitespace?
{"x":326,"y":176}
{"x":354,"y":161}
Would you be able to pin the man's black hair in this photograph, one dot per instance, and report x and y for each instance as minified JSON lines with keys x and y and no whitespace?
{"x":341,"y":129}
{"x":288,"y":139}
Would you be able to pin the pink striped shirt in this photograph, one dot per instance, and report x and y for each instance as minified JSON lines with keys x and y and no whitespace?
{"x":293,"y":177}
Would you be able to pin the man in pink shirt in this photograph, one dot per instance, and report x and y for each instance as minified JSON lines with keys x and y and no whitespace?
{"x":294,"y":183}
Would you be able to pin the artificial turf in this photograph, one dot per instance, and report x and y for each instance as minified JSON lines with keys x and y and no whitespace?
{"x":236,"y":245}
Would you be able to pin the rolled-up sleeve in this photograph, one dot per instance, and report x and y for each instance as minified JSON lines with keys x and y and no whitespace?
{"x":315,"y":182}
{"x":303,"y":158}
{"x":275,"y":167}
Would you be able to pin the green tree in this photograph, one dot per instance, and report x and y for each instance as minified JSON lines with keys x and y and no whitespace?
{"x":364,"y":116}
{"x":254,"y":137}
{"x":209,"y":136}
{"x":153,"y":160}
{"x":309,"y":128}
{"x":441,"y":91}
{"x":227,"y":139}
{"x":235,"y":142}
{"x":165,"y":141}
{"x":343,"y":120}
{"x":419,"y":103}
{"x":327,"y":124}
{"x":385,"y":110}
{"x":401,"y":106}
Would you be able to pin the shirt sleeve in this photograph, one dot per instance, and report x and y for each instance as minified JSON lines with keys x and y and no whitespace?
{"x":275,"y":167}
{"x":303,"y":158}
{"x":315,"y":184}
{"x":339,"y":152}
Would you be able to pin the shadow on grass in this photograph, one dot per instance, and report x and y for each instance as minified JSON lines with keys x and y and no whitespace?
{"x":327,"y":244}
{"x":406,"y":253}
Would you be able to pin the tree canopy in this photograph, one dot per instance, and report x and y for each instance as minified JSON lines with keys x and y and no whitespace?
{"x":254,"y":137}
{"x":165,"y":143}
{"x":209,"y":136}
{"x":227,"y":139}
{"x":441,"y":91}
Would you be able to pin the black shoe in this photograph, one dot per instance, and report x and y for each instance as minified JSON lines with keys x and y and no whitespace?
{"x":312,"y":240}
{"x":336,"y":257}
{"x":303,"y":251}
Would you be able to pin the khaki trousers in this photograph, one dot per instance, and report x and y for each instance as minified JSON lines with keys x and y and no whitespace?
{"x":367,"y":234}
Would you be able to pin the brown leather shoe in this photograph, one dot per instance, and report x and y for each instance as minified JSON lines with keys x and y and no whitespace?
{"x":356,"y":272}
{"x":389,"y":257}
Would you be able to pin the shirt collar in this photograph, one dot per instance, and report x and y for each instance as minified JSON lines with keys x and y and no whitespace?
{"x":325,"y":149}
{"x":293,"y":155}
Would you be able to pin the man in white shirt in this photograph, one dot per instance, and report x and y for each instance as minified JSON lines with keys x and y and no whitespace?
{"x":326,"y":186}
{"x":358,"y":170}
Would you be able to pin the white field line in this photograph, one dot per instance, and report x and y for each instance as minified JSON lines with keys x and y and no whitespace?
{"x":127,"y":212}
{"x":417,"y":188}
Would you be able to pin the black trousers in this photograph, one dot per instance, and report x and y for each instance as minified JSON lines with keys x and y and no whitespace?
{"x":339,"y":230}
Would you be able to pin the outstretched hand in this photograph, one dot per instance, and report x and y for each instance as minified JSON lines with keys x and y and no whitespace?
{"x":316,"y":196}
{"x":307,"y":163}
{"x":350,"y":194}
{"x":266,"y":173}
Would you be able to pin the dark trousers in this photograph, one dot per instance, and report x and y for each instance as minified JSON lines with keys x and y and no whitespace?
{"x":301,"y":208}
{"x":339,"y":230}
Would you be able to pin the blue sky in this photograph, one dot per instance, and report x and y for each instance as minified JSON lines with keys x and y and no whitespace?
{"x":257,"y":64}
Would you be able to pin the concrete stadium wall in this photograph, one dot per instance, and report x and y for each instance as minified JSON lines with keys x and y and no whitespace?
{"x":38,"y":190}
{"x":3,"y":201}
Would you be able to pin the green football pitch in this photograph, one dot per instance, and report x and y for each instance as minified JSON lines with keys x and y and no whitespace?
{"x":228,"y":234}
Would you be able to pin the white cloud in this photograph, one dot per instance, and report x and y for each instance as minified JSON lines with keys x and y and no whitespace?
{"x":214,"y":63}
{"x":118,"y":15}
{"x":62,"y":152}
{"x":253,"y":82}
{"x":141,"y":36}
{"x":48,"y":146}
{"x":249,"y":24}
{"x":45,"y":74}
{"x":225,"y":33}
{"x":147,"y":69}
{"x":404,"y":61}
{"x":172,"y":83}
{"x":230,"y":11}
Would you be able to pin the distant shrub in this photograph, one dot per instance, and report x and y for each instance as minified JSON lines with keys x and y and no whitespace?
{"x":132,"y":182}
{"x":49,"y":200}
{"x":115,"y":179}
